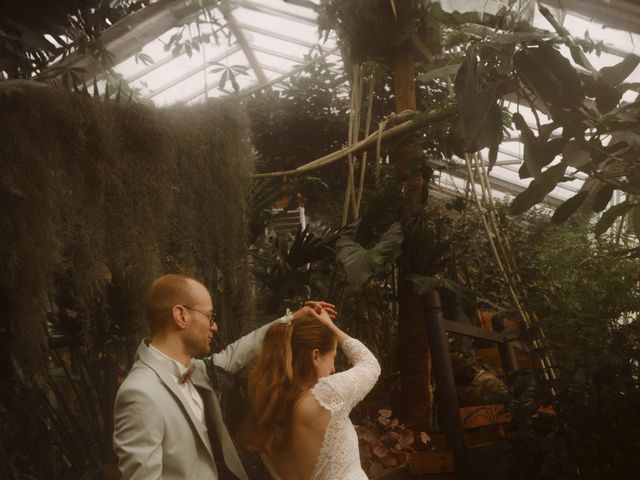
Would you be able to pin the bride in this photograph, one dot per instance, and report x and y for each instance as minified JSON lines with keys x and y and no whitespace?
{"x":299,"y":418}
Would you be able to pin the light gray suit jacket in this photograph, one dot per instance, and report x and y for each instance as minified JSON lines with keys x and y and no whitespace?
{"x":157,"y":436}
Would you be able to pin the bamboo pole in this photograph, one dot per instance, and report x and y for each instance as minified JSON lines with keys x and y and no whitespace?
{"x":394,"y":132}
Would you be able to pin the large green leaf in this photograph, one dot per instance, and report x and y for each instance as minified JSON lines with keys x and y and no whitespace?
{"x":636,"y":220}
{"x":316,"y":242}
{"x":580,"y":58}
{"x":361,"y":263}
{"x":568,"y":208}
{"x":532,"y":151}
{"x":549,"y":74}
{"x":605,"y":85}
{"x":479,"y":122}
{"x":616,"y":74}
{"x":602,"y":197}
{"x":607,"y":98}
{"x":538,"y":152}
{"x":574,"y":155}
{"x":538,"y":189}
{"x":611,"y":215}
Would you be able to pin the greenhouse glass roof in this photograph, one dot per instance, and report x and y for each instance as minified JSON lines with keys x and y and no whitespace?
{"x":170,"y":56}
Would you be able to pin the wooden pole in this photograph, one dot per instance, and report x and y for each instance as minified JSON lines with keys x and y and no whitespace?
{"x":414,"y":359}
{"x":447,"y":395}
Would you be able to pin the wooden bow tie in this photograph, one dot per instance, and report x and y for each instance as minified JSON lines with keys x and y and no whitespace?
{"x":186,"y":376}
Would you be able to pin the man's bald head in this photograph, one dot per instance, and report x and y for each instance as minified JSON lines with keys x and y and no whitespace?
{"x":164,"y":293}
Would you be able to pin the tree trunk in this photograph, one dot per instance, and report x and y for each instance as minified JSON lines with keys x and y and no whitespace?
{"x":415,"y":362}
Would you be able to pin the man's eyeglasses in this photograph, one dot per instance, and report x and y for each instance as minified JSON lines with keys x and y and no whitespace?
{"x":210,"y":315}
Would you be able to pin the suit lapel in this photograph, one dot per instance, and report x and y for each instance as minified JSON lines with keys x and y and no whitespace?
{"x":211,"y":404}
{"x":199,"y":377}
{"x":156,"y":365}
{"x":215,"y":420}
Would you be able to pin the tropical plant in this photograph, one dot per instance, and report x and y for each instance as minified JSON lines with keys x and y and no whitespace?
{"x":229,"y":72}
{"x":385,"y":443}
{"x":35,"y":32}
{"x":584,"y":292}
{"x":587,"y":299}
{"x":287,"y":271}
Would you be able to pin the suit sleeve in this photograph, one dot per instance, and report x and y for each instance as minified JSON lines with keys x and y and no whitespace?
{"x":241,"y":352}
{"x":137,"y":436}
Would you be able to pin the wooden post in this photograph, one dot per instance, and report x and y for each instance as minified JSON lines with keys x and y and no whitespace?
{"x":447,"y":396}
{"x":507,"y":353}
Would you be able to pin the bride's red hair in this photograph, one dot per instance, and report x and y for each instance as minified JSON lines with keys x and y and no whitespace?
{"x":284,"y":370}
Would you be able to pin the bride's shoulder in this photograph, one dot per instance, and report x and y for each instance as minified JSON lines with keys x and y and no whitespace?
{"x":307,"y":407}
{"x":309,"y":415}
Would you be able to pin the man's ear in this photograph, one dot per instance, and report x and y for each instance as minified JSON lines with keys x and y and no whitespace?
{"x":179,"y":316}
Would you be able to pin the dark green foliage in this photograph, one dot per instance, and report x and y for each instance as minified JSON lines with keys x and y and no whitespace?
{"x":538,"y":151}
{"x":354,"y":21}
{"x":609,"y":217}
{"x":37,"y":31}
{"x":607,"y":88}
{"x":304,"y":121}
{"x":96,"y":199}
{"x":551,"y":78}
{"x":587,"y":299}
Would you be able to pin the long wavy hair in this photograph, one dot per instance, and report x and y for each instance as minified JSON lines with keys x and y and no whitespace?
{"x":283,"y":372}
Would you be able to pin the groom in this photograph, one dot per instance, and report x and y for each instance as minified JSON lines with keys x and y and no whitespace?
{"x":167,"y":421}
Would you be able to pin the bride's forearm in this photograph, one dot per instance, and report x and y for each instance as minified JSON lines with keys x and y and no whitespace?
{"x":340,"y":335}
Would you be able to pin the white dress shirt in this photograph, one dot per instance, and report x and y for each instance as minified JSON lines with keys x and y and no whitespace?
{"x":188,"y":390}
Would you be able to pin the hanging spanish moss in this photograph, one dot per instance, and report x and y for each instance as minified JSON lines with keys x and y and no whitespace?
{"x":99,"y":197}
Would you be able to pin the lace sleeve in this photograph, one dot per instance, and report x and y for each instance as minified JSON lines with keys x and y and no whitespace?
{"x":341,"y":391}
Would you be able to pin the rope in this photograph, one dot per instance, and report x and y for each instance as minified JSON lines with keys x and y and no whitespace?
{"x":367,"y":127}
{"x":354,"y":127}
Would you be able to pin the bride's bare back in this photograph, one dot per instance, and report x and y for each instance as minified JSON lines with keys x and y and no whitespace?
{"x":322,"y":442}
{"x":309,"y":424}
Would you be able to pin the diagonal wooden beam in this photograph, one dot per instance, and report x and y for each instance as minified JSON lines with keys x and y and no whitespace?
{"x":244,"y":44}
{"x":623,"y":15}
{"x":194,"y":71}
{"x":260,"y":86}
{"x":126,"y":37}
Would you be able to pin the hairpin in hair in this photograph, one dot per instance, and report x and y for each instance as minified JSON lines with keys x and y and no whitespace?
{"x":288,"y":318}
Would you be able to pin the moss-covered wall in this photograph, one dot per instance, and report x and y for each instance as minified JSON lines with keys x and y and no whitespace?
{"x":98,"y":198}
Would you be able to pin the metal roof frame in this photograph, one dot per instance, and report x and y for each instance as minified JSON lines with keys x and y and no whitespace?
{"x":134,"y":33}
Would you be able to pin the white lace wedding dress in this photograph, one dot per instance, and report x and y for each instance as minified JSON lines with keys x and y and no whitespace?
{"x":339,"y":458}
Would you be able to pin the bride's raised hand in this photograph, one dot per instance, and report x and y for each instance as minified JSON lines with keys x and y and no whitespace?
{"x":317,"y":306}
{"x":313,"y":308}
{"x":323,"y":316}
